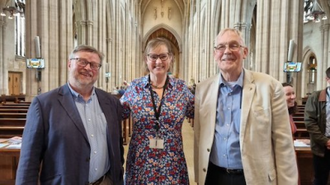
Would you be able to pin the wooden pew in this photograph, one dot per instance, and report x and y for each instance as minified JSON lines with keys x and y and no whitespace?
{"x":14,"y":107}
{"x":126,"y":125}
{"x":10,"y":127}
{"x":12,"y":98}
{"x":14,"y":110}
{"x":12,"y":115}
{"x":300,"y":124}
{"x":305,"y":165}
{"x":8,"y":163}
{"x":301,"y":134}
{"x":11,"y":131}
{"x":12,"y":122}
{"x":17,"y":104}
{"x":298,"y":118}
{"x":299,"y":114}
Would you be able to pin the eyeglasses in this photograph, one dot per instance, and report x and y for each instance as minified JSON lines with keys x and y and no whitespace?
{"x":154,"y":57}
{"x":232,"y":47}
{"x":83,"y":63}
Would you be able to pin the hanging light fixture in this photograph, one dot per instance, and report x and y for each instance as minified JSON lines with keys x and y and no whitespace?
{"x":13,"y":9}
{"x":314,"y":11}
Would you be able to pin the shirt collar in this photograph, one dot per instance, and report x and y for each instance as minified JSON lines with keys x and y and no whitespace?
{"x":239,"y":81}
{"x":76,"y":94}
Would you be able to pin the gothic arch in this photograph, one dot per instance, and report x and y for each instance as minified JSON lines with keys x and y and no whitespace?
{"x":303,"y":77}
{"x":170,"y":34}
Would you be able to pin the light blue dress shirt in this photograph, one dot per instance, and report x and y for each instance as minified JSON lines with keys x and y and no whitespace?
{"x":327,"y":128}
{"x":95,"y":125}
{"x":226,"y":147}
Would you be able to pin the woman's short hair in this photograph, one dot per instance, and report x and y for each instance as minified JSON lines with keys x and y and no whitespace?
{"x":153,"y":43}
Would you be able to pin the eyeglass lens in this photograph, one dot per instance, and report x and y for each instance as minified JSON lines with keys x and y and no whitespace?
{"x":232,"y":47}
{"x":83,"y":63}
{"x":154,"y":57}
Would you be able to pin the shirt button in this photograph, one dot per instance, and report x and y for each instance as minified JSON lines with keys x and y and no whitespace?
{"x":92,"y":135}
{"x":94,"y":152}
{"x":95,"y":169}
{"x":208,"y":150}
{"x":204,"y":170}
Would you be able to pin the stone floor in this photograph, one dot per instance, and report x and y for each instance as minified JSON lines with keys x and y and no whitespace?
{"x":188,"y":146}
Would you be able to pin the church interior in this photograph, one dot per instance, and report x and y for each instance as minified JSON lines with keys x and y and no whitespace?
{"x":289,"y":40}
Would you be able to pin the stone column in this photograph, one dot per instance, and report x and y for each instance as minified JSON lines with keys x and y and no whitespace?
{"x":196,"y":41}
{"x":323,"y":63}
{"x":33,"y":29}
{"x":66,"y":37}
{"x":245,"y":28}
{"x":190,"y":58}
{"x":262,"y":36}
{"x":3,"y":78}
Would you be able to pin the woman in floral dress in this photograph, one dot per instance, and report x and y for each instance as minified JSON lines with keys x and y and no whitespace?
{"x":158,"y":105}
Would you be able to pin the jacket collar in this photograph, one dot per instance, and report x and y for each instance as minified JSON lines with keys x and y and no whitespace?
{"x":323,"y":95}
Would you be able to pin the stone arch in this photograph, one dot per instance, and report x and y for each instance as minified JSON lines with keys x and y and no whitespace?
{"x":172,"y":36}
{"x":303,"y":77}
{"x":165,"y":31}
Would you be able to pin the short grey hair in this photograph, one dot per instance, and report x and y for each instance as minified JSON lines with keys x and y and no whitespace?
{"x":86,"y":48}
{"x":236,"y":31}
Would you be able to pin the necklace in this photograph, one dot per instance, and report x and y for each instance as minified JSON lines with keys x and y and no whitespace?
{"x":156,"y":87}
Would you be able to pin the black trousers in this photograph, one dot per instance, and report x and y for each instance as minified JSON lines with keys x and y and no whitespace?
{"x":217,"y":175}
{"x":321,"y":168}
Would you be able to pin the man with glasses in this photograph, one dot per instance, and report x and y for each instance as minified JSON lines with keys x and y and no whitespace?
{"x":73,"y":133}
{"x":242,"y":131}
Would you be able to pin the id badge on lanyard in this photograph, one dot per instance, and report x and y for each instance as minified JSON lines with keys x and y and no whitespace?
{"x":157,"y":142}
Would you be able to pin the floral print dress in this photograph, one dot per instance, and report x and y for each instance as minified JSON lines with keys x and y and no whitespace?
{"x":145,"y":165}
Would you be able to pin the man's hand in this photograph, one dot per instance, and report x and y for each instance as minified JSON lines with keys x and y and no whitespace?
{"x":328,"y":144}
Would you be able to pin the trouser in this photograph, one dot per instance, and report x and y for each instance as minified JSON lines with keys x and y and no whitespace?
{"x":217,"y":175}
{"x":321,"y":168}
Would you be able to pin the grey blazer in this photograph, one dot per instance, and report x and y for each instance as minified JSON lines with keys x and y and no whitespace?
{"x":55,"y":141}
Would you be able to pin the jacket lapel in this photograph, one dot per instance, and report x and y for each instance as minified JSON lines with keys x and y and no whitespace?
{"x":209,"y":106}
{"x":66,"y":100}
{"x":105,"y":106}
{"x":247,"y":98}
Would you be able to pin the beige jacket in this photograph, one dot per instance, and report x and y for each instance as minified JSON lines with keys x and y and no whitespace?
{"x":268,"y":155}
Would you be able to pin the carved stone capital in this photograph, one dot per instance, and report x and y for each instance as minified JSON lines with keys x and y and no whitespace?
{"x":242,"y":26}
{"x":84,"y":22}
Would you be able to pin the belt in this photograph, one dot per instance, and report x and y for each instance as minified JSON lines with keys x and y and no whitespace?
{"x":231,"y":171}
{"x":99,"y":181}
{"x":226,"y":170}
